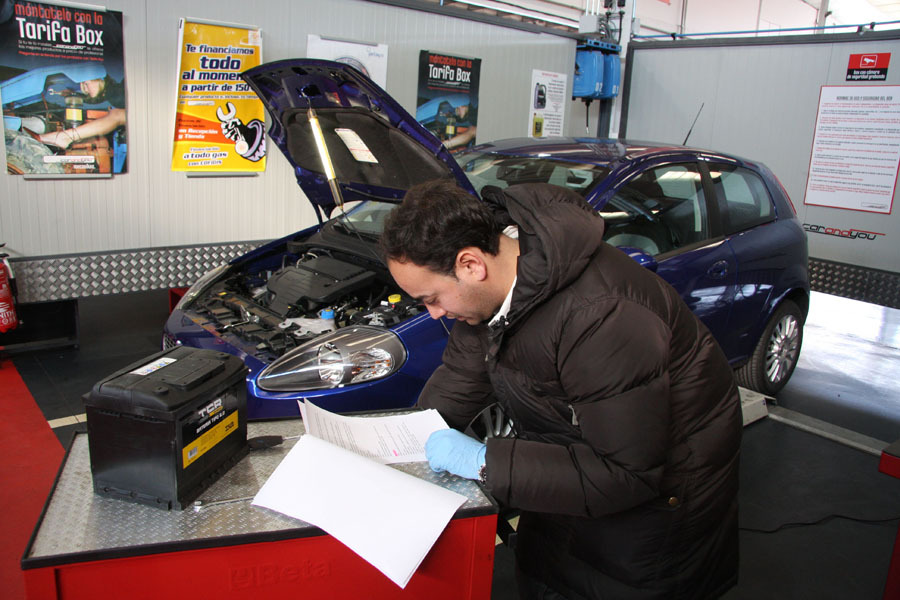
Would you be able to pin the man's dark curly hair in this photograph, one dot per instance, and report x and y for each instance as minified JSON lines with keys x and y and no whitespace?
{"x":436,"y":220}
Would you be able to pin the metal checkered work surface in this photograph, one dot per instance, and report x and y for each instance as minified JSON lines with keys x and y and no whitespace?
{"x":855,"y":282}
{"x":77,"y":520}
{"x":81,"y":275}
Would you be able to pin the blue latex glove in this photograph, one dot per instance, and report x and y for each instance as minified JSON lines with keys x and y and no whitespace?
{"x":454,"y":451}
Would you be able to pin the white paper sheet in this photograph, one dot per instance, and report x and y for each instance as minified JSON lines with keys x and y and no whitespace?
{"x":393,"y":439}
{"x":389,"y":518}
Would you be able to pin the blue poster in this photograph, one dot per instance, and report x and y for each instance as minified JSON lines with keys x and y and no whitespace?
{"x":448,"y":98}
{"x":62,"y":85}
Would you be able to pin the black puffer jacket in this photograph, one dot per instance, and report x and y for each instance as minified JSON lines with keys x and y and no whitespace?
{"x":625,"y":465}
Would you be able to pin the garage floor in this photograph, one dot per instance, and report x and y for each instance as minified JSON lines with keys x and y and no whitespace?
{"x":818,"y":520}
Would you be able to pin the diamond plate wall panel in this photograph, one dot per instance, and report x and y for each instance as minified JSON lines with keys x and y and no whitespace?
{"x":854,"y":282}
{"x":77,"y":276}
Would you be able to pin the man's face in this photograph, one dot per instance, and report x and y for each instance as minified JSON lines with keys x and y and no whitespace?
{"x":463,"y":298}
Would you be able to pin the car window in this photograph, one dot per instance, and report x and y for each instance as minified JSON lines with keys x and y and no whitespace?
{"x":658,"y":211}
{"x":503,"y":171}
{"x":367,"y":217}
{"x":745,"y":195}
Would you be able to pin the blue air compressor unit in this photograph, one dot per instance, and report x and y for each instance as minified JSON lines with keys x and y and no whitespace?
{"x":612,"y":68}
{"x":588,"y":82}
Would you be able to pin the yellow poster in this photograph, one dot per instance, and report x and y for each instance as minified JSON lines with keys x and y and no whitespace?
{"x":219,"y":120}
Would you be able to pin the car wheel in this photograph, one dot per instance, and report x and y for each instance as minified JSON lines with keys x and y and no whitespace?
{"x":776,"y":353}
{"x":491,"y":422}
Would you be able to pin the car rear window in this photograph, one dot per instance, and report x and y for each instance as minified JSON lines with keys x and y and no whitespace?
{"x":745,"y":196}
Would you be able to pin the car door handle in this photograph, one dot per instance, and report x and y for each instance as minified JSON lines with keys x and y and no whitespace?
{"x":718,"y":270}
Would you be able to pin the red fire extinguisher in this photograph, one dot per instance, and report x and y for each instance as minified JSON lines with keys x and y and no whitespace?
{"x":8,"y":318}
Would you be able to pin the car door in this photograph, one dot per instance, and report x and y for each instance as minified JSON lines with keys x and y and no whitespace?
{"x":665,"y":209}
{"x":759,"y":243}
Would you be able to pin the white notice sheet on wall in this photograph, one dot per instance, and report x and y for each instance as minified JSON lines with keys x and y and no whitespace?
{"x":547,"y":104}
{"x":856,"y":148}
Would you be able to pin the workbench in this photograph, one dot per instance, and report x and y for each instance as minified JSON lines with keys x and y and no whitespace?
{"x":88,"y":546}
{"x":890,"y":465}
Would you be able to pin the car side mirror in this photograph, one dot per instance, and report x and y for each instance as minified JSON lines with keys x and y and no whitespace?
{"x":641,"y":257}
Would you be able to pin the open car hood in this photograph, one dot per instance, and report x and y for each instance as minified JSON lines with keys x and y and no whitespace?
{"x":378,"y":149}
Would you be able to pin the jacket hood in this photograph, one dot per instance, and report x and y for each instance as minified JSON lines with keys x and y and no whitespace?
{"x":378,"y":150}
{"x":558,"y":235}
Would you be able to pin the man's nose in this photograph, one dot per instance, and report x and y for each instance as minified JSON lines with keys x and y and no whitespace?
{"x":436,"y":312}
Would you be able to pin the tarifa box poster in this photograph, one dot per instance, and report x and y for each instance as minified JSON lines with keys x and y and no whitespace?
{"x":219,"y":120}
{"x":62,"y":85}
{"x":447,"y":103}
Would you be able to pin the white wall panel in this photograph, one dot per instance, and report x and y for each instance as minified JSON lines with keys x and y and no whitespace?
{"x":660,"y":16}
{"x":746,"y":15}
{"x":778,"y":14}
{"x":715,"y":15}
{"x":151,"y":206}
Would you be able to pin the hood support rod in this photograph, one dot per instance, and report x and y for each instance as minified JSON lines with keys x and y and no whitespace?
{"x":325,"y":157}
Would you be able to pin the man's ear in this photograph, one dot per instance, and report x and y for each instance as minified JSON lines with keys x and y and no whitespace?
{"x":470,"y":264}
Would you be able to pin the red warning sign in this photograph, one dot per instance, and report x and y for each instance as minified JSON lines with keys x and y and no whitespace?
{"x":868,"y":67}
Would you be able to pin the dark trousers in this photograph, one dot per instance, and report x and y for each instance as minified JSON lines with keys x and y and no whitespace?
{"x":532,"y":589}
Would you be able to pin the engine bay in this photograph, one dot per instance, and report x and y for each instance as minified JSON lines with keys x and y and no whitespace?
{"x":313,"y":291}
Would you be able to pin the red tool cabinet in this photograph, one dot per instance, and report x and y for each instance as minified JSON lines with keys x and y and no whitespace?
{"x":87,"y":546}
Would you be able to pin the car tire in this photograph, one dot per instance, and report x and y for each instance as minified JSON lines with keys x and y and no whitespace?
{"x":776,"y":353}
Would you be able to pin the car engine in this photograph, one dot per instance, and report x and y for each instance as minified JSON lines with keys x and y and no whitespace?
{"x":310,"y":294}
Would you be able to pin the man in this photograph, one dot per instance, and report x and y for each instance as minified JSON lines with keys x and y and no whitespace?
{"x":627,"y":417}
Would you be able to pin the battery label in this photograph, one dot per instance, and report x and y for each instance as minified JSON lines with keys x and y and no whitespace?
{"x":205,"y":442}
{"x":156,"y":365}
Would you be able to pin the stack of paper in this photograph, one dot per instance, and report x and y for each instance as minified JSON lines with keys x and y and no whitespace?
{"x":331,"y":479}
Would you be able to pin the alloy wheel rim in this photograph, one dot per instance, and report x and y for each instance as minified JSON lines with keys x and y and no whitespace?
{"x":784,"y":345}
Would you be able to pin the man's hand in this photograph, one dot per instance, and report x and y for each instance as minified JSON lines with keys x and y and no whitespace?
{"x":454,"y":451}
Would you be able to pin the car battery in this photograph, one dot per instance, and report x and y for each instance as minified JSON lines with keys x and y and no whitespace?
{"x":161,"y":430}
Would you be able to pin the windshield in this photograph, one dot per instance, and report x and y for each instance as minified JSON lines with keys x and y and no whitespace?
{"x":367,"y":218}
{"x":503,"y":171}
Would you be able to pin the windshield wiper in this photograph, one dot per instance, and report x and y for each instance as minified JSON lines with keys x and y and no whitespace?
{"x":343,"y":223}
{"x":376,"y":197}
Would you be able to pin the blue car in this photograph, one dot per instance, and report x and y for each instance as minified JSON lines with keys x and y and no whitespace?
{"x":316,"y":314}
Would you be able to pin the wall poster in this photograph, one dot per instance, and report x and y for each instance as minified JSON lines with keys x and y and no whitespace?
{"x":219,"y":120}
{"x":546,"y":109}
{"x":447,"y":102}
{"x":369,"y":59}
{"x":856,"y":148}
{"x":62,"y":85}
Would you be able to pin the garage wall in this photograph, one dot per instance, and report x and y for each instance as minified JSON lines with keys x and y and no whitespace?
{"x":152,"y":207}
{"x":700,"y":16}
{"x":761,"y":98}
{"x":694,"y":16}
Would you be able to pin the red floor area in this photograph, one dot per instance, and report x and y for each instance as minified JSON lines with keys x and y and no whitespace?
{"x":31,"y":456}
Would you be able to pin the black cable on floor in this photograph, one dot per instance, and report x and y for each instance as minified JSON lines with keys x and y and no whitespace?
{"x":824,"y":519}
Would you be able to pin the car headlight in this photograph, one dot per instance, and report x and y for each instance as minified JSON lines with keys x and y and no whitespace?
{"x":199,"y":286}
{"x":349,"y":355}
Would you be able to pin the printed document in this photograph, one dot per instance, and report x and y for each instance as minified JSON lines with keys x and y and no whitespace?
{"x":388,"y":517}
{"x":393,"y":439}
